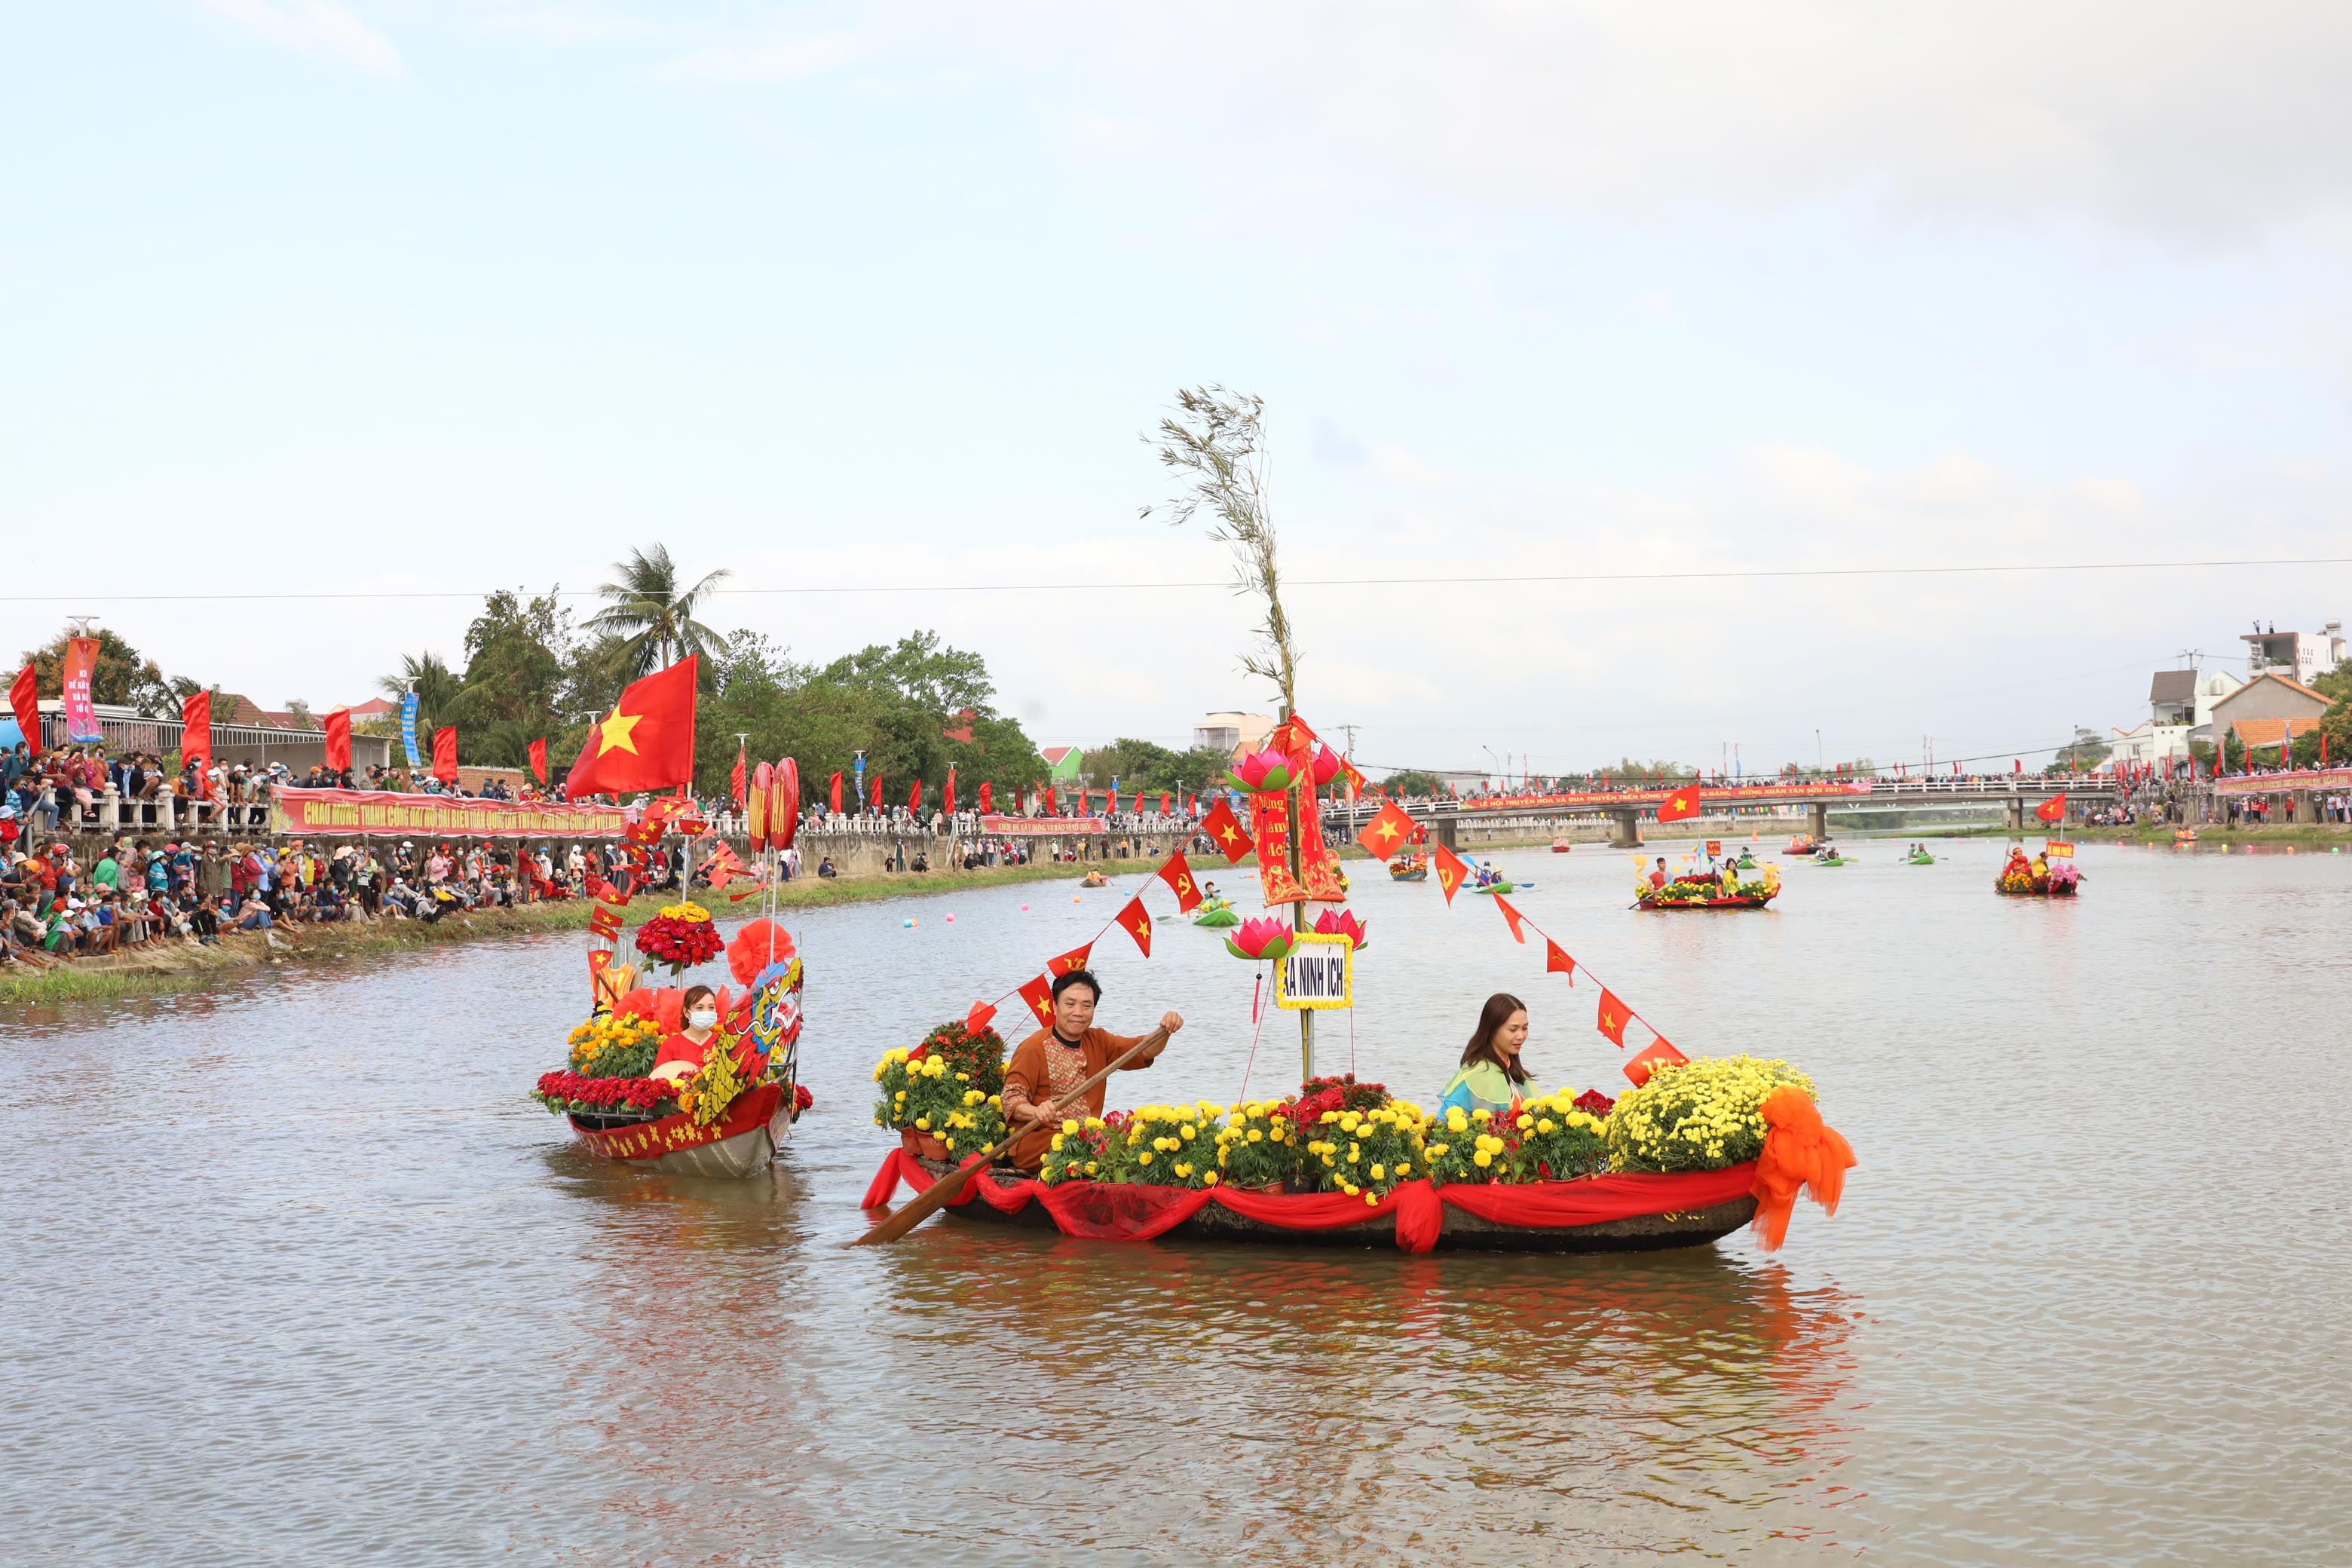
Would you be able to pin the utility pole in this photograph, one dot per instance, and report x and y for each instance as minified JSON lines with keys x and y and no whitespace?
{"x":1817,"y":753}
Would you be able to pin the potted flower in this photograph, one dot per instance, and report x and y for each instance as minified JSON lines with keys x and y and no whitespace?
{"x":1699,"y":1115}
{"x":680,"y":937}
{"x":1367,"y":1154}
{"x":1171,"y":1146}
{"x":1081,"y":1151}
{"x":1261,"y":1147}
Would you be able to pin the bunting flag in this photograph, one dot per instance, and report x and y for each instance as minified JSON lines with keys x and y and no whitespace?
{"x":1658,"y":1053}
{"x":1514,"y":917}
{"x":983,"y":1014}
{"x":648,"y":741}
{"x":339,"y":740}
{"x":1357,"y":781}
{"x":2053,"y":809}
{"x":836,"y":794}
{"x":987,"y":801}
{"x":1039,"y":996}
{"x":1450,"y":871}
{"x":1178,"y":878}
{"x":1681,"y":803}
{"x":1613,"y":1016}
{"x":739,"y":782}
{"x":196,"y":724}
{"x":1225,"y":830}
{"x":539,"y":761}
{"x":724,"y":866}
{"x":1137,"y":922}
{"x":1557,"y":961}
{"x":444,"y":754}
{"x":1076,"y":959}
{"x":605,"y":922}
{"x":1387,"y":832}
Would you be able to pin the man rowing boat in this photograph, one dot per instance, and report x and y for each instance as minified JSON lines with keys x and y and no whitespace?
{"x":1048,"y":1067}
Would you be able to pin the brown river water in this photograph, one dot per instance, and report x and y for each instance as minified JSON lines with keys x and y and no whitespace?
{"x":296,"y":1273}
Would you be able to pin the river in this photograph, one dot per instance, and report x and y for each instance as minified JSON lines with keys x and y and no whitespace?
{"x":296,"y":1273}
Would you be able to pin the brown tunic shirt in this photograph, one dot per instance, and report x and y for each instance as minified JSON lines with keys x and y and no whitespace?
{"x":1043,"y":1067}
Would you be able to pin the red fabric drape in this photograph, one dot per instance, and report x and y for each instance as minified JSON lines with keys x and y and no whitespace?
{"x":1105,"y":1212}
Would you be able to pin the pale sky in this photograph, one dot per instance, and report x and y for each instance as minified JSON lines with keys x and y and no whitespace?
{"x":306,"y":297}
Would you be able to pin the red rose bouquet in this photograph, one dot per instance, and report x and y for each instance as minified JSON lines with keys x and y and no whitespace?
{"x":680,"y":937}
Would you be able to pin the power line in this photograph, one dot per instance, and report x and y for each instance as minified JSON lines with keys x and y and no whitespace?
{"x":1744,"y":574}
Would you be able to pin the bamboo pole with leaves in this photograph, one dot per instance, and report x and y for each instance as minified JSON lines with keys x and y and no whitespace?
{"x":1214,"y":442}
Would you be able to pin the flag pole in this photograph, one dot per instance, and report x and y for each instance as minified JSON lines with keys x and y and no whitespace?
{"x":1301,"y":789}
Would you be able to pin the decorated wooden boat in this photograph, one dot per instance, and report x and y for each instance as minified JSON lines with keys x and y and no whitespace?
{"x":1409,"y":868}
{"x":2035,"y":890}
{"x":741,"y":1142}
{"x":1094,"y":879}
{"x":1561,"y":846}
{"x":1652,"y":899}
{"x":1601,"y":1214}
{"x":2184,"y":836}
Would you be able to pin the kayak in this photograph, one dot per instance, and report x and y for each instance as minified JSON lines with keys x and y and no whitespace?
{"x":1920,"y":860}
{"x":1498,"y":888}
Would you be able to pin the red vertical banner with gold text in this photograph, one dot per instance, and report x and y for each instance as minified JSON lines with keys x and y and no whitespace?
{"x":81,"y":713}
{"x":1270,"y":825}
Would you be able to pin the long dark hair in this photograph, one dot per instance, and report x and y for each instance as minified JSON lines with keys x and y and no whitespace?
{"x":1491,"y":1018}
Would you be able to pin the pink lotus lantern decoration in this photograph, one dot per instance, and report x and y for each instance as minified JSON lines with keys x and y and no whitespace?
{"x":1264,"y":939}
{"x":1264,"y":773}
{"x":1342,"y":922}
{"x":1326,"y":764}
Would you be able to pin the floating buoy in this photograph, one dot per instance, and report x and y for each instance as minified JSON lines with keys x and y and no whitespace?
{"x":908,"y":924}
{"x":950,"y":917}
{"x":1024,"y":909}
{"x":1075,"y":899}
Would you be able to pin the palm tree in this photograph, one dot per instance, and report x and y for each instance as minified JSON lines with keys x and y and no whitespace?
{"x":647,"y":608}
{"x":435,"y":684}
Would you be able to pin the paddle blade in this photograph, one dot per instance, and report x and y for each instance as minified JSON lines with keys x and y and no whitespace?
{"x":925,"y":1204}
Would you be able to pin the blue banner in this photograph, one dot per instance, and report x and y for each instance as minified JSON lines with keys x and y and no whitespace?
{"x":408,"y":728}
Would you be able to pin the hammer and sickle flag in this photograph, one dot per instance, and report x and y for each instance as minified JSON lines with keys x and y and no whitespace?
{"x":1069,"y":962}
{"x":1137,"y":922}
{"x":1451,"y":869}
{"x":1658,"y":1053}
{"x":1038,"y":994}
{"x":1226,"y":832}
{"x":1387,"y":832}
{"x":647,"y":743}
{"x":1681,"y":803}
{"x":1179,"y":876}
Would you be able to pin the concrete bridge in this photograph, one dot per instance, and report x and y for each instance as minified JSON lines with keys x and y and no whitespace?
{"x":2016,"y":794}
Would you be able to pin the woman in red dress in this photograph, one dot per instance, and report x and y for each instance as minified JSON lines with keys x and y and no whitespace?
{"x":682,"y":1053}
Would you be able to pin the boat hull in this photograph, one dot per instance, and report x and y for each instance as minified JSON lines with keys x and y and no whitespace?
{"x":1420,"y":876}
{"x":741,"y":1143}
{"x":1746,"y":901}
{"x":1497,"y":887}
{"x":1462,"y":1232}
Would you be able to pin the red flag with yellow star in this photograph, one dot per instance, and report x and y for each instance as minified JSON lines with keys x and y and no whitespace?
{"x":1615,"y":1016}
{"x":1136,"y":920}
{"x":983,"y":1014}
{"x":1387,"y":832}
{"x":1038,"y":995}
{"x":1074,"y":959}
{"x":1226,"y":832}
{"x":1681,"y":803}
{"x":646,"y":741}
{"x":1451,"y":869}
{"x":1178,"y":874}
{"x":1657,"y":1054}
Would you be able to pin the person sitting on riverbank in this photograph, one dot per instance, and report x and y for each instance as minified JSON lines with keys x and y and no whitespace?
{"x":1041,"y":1082}
{"x":825,"y":867}
{"x":1492,"y":1076}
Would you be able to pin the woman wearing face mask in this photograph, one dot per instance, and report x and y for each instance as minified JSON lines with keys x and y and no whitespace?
{"x":682,"y":1054}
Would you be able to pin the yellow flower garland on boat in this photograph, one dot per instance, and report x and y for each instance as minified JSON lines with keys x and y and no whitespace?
{"x":1698,"y":1115}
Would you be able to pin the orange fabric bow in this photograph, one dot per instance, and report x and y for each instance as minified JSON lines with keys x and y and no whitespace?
{"x":1799,"y":1151}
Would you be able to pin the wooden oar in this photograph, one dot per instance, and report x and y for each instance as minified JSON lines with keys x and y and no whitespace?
{"x":939,"y":1194}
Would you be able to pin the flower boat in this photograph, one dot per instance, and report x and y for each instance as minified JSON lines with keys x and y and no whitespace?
{"x":2184,"y":836}
{"x":1094,"y":879}
{"x":1561,"y":846}
{"x":742,"y":1142}
{"x":2062,"y":883}
{"x":1216,"y":913}
{"x":1706,"y":893}
{"x":1546,"y":1178}
{"x":1409,"y":868}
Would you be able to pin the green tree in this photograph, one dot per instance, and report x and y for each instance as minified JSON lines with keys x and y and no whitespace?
{"x":437,"y":687}
{"x":124,"y":677}
{"x":516,"y":687}
{"x":1413,"y":781}
{"x":653,"y":615}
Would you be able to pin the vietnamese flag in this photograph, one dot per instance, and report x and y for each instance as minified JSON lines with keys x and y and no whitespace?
{"x":739,"y":779}
{"x":877,"y":795}
{"x":339,"y":740}
{"x":538,"y":759}
{"x":1658,"y":1053}
{"x":1072,"y":959}
{"x":915,"y":799}
{"x":1683,"y":802}
{"x":2053,"y":809}
{"x":1053,"y":804}
{"x":647,"y":743}
{"x":836,"y":794}
{"x":1514,"y":917}
{"x":1614,"y":1017}
{"x":950,"y":806}
{"x":25,"y":697}
{"x":1225,"y":830}
{"x":1166,"y":804}
{"x":1039,"y":995}
{"x":196,"y":724}
{"x":987,"y":796}
{"x":1386,"y":832}
{"x":444,"y":754}
{"x":1450,"y":871}
{"x":1178,"y":874}
{"x":1557,"y":961}
{"x":1137,"y":922}
{"x":983,"y":1014}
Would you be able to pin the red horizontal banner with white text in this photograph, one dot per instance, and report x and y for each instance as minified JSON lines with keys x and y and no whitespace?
{"x":337,"y":811}
{"x":2302,"y":778}
{"x":1041,"y":827}
{"x":1728,"y":794}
